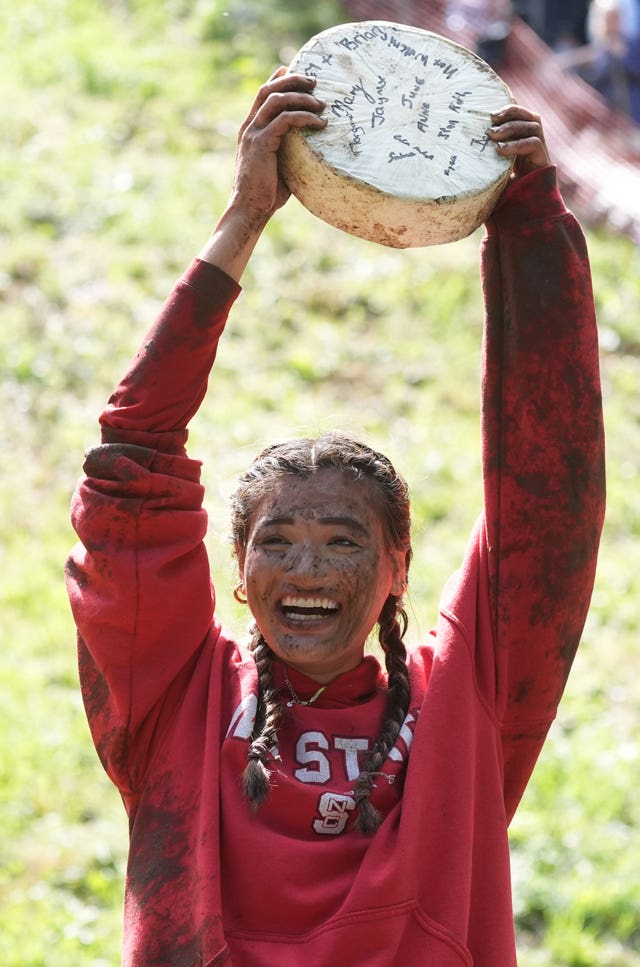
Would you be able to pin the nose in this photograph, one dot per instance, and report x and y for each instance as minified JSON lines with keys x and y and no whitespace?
{"x":306,"y":561}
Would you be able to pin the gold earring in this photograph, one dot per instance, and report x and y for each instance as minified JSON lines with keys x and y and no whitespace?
{"x":239,"y":593}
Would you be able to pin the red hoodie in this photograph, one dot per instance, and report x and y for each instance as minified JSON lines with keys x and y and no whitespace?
{"x":171,"y":697}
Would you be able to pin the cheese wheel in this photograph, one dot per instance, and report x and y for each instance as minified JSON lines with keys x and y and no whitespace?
{"x":405,"y":158}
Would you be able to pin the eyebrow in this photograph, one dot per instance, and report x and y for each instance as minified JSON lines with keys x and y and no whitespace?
{"x":346,"y":521}
{"x":339,"y":521}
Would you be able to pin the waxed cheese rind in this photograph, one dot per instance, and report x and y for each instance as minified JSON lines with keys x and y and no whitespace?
{"x":404,"y":159}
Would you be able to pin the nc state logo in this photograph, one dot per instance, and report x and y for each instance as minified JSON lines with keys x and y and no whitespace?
{"x":334,"y":810}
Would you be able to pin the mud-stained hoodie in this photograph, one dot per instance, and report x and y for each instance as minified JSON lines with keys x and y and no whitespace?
{"x":171,"y":696}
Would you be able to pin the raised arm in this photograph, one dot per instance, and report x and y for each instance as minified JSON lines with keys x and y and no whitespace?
{"x":285,"y":102}
{"x":139,"y":580}
{"x":543,"y":448}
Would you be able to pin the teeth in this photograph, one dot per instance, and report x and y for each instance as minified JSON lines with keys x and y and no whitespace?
{"x":325,"y":603}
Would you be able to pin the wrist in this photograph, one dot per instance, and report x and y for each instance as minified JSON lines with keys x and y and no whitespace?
{"x":243,"y":215}
{"x":234,"y":238}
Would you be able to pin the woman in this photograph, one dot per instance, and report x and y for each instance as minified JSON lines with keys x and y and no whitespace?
{"x":291,"y":803}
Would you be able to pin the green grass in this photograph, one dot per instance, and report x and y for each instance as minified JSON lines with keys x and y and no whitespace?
{"x":119,"y":124}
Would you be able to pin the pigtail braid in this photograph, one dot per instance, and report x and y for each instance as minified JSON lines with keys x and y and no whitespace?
{"x":392,"y":626}
{"x":256,"y":776}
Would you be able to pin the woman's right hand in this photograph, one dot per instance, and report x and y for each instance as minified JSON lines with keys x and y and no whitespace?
{"x":285,"y":102}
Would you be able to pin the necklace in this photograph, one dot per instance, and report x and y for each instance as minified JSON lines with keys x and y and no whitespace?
{"x":294,"y":700}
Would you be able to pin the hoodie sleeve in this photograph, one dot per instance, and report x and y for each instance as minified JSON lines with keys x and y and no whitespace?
{"x":543,"y":458}
{"x":527,"y":580}
{"x":138,"y":581}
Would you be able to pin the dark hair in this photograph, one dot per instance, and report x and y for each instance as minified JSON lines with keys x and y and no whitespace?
{"x":303,"y":458}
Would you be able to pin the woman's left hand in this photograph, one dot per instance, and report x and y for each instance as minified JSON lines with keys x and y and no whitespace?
{"x":518,"y":133}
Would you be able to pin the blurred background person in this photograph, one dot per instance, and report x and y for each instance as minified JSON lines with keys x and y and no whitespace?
{"x":610,"y":60}
{"x":561,"y":24}
{"x":485,"y":22}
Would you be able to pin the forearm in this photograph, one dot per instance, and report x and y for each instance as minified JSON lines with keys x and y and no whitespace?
{"x":232,"y":242}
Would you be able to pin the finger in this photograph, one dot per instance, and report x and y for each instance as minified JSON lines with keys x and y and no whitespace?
{"x":287,"y":103}
{"x":279,"y":82}
{"x":296,"y":119}
{"x":517,"y":133}
{"x":516,"y":130}
{"x":514,"y":112}
{"x":269,"y":138}
{"x":522,"y":146}
{"x":529,"y":153}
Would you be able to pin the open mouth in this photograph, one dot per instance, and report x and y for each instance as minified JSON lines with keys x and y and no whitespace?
{"x":308,"y":609}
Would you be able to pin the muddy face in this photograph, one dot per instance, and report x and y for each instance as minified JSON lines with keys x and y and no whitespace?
{"x":317,"y":570}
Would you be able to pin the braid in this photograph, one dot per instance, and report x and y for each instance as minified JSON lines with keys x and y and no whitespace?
{"x":392,"y":626}
{"x":256,"y":775}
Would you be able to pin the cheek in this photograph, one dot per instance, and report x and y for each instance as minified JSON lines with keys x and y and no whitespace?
{"x":251,"y":572}
{"x":365,"y":584}
{"x":367,"y":576}
{"x":260,"y":573}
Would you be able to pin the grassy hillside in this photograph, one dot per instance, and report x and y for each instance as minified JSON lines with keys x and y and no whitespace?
{"x":119,"y":124}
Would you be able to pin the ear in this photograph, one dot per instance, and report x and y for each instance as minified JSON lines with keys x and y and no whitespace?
{"x":399,"y":579}
{"x":240,"y":558}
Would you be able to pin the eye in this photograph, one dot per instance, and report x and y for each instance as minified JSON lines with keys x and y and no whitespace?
{"x":347,"y":542}
{"x":274,"y":541}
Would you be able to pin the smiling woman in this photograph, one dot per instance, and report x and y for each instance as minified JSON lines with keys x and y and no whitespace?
{"x":321,"y":531}
{"x":318,"y":564}
{"x":291,"y":799}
